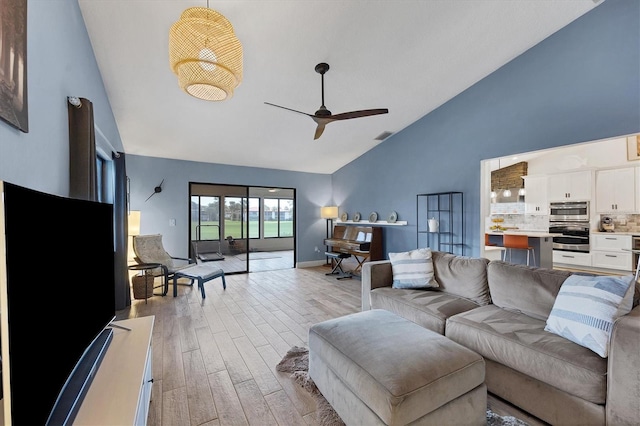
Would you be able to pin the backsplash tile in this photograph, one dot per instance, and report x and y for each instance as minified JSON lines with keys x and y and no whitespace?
{"x":632,"y":222}
{"x":525,"y":222}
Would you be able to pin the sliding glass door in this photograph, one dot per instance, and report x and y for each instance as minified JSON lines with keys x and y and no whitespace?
{"x":246,"y":228}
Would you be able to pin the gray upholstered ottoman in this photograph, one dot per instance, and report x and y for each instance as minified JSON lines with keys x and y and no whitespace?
{"x":375,"y":367}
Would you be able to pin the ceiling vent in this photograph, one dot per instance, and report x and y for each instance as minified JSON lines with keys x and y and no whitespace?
{"x":382,"y":136}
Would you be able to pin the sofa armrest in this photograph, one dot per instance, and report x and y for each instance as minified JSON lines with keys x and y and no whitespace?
{"x":374,"y":274}
{"x":623,"y":371}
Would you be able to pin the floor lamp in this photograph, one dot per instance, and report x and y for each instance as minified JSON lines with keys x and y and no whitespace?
{"x":134,"y":229}
{"x":329,"y":213}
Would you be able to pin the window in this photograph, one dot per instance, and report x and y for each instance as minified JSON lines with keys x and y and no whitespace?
{"x":278,"y":217}
{"x":254,"y":217}
{"x":105,"y":178}
{"x":205,"y":217}
{"x":234,"y":217}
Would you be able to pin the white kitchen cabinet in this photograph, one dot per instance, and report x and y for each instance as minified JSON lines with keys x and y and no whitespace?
{"x":571,"y":186}
{"x":610,"y":242}
{"x":608,"y":251}
{"x":616,"y":190}
{"x":571,"y":258}
{"x":535,"y":199}
{"x":637,"y":210}
{"x":612,"y":260}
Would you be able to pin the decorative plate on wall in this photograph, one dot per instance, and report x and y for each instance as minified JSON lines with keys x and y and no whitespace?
{"x":392,"y":217}
{"x":356,"y":217}
{"x":373,"y":217}
{"x":344,"y":217}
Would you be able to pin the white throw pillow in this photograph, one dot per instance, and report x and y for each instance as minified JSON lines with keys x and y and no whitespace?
{"x":586,"y":308}
{"x":413,"y":269}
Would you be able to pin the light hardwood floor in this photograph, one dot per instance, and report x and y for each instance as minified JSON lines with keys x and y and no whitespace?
{"x":214,"y":359}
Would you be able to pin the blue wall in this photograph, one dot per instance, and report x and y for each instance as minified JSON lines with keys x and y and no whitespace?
{"x":581,"y":84}
{"x":60,"y":63}
{"x":312,"y":192}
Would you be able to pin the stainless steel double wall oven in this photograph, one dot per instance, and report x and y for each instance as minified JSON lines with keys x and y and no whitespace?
{"x":571,"y":219}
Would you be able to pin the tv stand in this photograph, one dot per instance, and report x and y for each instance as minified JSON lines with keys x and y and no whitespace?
{"x":121,"y":327}
{"x":121,"y":389}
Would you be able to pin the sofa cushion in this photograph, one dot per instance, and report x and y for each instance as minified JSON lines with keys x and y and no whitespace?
{"x":587,"y":307}
{"x":519,"y":341}
{"x":525,"y":289}
{"x":412,"y":269}
{"x":428,"y":308}
{"x":462,"y":276}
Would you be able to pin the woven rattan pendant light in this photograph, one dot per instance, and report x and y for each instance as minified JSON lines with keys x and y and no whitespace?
{"x":205,"y":54}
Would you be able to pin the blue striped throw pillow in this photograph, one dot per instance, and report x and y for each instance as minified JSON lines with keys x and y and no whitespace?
{"x":586,"y":308}
{"x":413,"y":269}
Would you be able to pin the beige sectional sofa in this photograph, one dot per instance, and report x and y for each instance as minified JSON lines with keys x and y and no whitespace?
{"x":499,"y":310}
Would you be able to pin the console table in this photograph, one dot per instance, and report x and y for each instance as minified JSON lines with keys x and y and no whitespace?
{"x":121,"y":389}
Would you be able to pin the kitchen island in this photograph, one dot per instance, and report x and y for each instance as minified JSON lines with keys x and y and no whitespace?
{"x":541,"y":241}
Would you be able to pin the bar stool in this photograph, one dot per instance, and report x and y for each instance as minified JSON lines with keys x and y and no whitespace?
{"x":486,"y":241}
{"x":517,"y":242}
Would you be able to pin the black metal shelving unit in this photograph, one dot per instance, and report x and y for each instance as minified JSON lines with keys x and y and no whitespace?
{"x":447,"y":209}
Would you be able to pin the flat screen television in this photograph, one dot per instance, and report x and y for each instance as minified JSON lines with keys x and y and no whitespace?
{"x":57,"y":298}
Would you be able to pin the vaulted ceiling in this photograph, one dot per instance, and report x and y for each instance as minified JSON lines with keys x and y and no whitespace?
{"x":409,"y":56}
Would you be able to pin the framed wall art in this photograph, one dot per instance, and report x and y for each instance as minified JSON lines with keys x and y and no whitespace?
{"x":13,"y":63}
{"x":633,"y":148}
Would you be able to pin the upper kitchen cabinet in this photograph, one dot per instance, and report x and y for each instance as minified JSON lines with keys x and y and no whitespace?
{"x":572,"y":186}
{"x":535,"y":200}
{"x":616,"y":190}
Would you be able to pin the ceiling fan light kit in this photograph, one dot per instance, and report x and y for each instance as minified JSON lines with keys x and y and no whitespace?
{"x":205,"y":54}
{"x":323,"y":116}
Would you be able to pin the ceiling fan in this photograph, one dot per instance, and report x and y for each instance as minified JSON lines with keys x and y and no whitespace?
{"x":323,"y":116}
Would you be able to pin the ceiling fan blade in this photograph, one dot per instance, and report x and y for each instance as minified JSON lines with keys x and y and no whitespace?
{"x":299,"y":112}
{"x":322,"y":122}
{"x":358,"y":114}
{"x":319,"y":130}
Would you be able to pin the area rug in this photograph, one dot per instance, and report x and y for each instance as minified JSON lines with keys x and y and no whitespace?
{"x":296,"y":362}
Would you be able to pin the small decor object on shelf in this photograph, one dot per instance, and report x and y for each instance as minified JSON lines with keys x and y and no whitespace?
{"x":497,"y":224}
{"x":373,"y":217}
{"x":433,"y":224}
{"x":356,"y":217}
{"x":393,"y":217}
{"x":344,"y":216}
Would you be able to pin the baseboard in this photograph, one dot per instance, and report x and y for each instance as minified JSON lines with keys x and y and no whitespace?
{"x":310,"y":264}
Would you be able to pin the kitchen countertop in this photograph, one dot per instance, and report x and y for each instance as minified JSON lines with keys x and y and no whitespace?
{"x":635,"y":234}
{"x":535,"y":234}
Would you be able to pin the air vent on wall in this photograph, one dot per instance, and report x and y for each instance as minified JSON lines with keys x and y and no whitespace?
{"x":382,"y":136}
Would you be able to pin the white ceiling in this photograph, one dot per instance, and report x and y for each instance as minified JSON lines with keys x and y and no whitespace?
{"x":409,"y":56}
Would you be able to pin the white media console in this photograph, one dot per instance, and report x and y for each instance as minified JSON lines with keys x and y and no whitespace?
{"x":121,"y":389}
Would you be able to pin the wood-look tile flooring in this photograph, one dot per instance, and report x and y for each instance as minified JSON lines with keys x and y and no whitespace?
{"x":258,"y":261}
{"x":214,"y":359}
